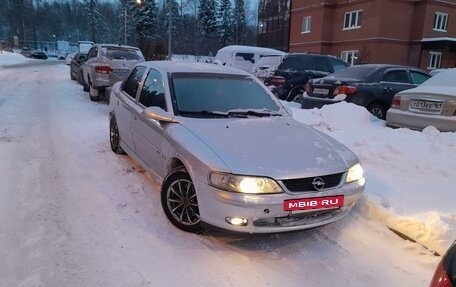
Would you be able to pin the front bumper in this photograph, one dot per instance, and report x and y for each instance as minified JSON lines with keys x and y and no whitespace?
{"x":265,"y":213}
{"x":404,"y":119}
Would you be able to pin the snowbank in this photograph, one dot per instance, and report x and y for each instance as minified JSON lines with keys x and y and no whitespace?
{"x":7,"y":58}
{"x":410,"y":175}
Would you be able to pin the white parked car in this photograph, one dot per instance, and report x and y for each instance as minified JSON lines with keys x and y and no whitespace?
{"x":433,"y":103}
{"x":104,"y":60}
{"x":243,"y":57}
{"x":227,"y":152}
{"x":68,"y":58}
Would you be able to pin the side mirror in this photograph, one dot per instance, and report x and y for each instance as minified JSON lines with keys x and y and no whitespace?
{"x":82,"y":58}
{"x":158,"y":114}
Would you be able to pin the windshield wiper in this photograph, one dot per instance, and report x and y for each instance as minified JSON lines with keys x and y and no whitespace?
{"x":256,"y":113}
{"x":205,"y":113}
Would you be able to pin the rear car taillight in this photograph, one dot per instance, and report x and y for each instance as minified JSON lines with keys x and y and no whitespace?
{"x":277,"y":80}
{"x":396,"y":103}
{"x":103,"y":69}
{"x":348,"y":90}
{"x":440,"y":278}
{"x":307,"y":88}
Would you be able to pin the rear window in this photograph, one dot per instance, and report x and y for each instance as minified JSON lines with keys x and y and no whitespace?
{"x":355,"y":72}
{"x":122,"y":54}
{"x":306,"y":62}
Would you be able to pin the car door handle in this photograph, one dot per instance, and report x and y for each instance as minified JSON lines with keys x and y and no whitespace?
{"x":135,"y":117}
{"x":387,"y":89}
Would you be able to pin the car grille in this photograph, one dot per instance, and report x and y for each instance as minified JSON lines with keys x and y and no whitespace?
{"x":306,"y":184}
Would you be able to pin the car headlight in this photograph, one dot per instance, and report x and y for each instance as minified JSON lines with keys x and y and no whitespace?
{"x":355,"y":173}
{"x":244,"y":184}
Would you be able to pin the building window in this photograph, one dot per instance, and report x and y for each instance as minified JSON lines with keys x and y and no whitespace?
{"x":352,"y":20}
{"x":440,"y":21}
{"x":305,"y":25}
{"x":349,"y":56}
{"x":435,"y":58}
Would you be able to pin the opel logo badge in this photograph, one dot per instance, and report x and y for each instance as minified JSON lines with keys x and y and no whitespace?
{"x":318,"y":183}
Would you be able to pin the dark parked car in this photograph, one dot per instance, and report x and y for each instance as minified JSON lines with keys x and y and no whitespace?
{"x":75,"y":67}
{"x":372,"y":86}
{"x":445,"y":274}
{"x":39,"y":55}
{"x":295,"y":69}
{"x":26,"y":52}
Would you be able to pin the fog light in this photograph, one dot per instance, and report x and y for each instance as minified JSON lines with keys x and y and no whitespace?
{"x":236,"y":221}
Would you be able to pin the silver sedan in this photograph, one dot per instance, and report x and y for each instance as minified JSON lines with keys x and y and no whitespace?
{"x":433,"y":103}
{"x":227,"y":152}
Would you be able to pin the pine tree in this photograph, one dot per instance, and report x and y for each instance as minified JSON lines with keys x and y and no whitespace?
{"x":225,"y":23}
{"x":207,"y":23}
{"x":239,"y":21}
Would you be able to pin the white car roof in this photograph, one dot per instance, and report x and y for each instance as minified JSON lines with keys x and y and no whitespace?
{"x":251,"y":49}
{"x":192,"y":67}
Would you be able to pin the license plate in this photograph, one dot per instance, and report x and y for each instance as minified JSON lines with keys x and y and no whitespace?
{"x":320,"y":91}
{"x":313,"y":203}
{"x":426,"y":105}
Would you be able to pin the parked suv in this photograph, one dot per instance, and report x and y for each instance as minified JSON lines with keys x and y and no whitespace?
{"x":104,"y":59}
{"x":295,"y":69}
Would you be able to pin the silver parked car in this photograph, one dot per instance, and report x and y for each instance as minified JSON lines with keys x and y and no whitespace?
{"x":433,"y":103}
{"x":105,"y":59}
{"x":227,"y":152}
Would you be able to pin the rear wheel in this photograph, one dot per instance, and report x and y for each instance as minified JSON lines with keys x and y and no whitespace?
{"x":72,"y":74}
{"x":295,"y":94}
{"x":93,"y":93}
{"x":377,"y":110}
{"x":179,"y":202}
{"x":114,"y":137}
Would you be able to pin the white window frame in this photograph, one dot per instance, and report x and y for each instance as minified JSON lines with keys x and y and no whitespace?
{"x":353,"y":15}
{"x":435,"y":60}
{"x":306,"y":24}
{"x":350,"y":54}
{"x":440,"y":22}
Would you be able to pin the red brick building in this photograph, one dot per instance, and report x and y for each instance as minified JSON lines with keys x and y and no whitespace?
{"x":419,"y":33}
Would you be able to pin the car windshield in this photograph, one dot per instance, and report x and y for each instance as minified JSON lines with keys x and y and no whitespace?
{"x":122,"y":54}
{"x":202,"y":95}
{"x":355,"y":72}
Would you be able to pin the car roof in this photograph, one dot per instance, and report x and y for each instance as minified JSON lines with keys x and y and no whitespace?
{"x":193,"y":67}
{"x":250,"y":49}
{"x":116,"y":46}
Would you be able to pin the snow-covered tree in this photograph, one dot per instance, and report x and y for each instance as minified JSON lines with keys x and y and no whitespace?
{"x":225,"y":23}
{"x":207,"y":23}
{"x":239,"y":21}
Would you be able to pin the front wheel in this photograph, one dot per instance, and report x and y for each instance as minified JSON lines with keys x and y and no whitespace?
{"x":179,"y":202}
{"x":114,"y":137}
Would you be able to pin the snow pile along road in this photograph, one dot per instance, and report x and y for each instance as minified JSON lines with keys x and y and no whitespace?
{"x":410,"y":174}
{"x":7,"y":58}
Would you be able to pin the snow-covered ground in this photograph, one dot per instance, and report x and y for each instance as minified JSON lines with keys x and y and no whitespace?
{"x":72,"y":213}
{"x":7,"y":58}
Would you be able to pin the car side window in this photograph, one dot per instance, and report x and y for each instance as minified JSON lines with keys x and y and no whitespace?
{"x":92,"y":53}
{"x":130,"y":85}
{"x":153,"y":92}
{"x":321,"y":64}
{"x":418,"y":78}
{"x":396,"y":76}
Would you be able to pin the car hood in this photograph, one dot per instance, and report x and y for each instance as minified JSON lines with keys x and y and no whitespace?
{"x":277,"y":147}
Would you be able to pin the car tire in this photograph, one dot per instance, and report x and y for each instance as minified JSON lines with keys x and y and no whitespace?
{"x":114,"y":137}
{"x":93,"y":93}
{"x":72,"y":75}
{"x":179,"y":201}
{"x":295,"y":94}
{"x":377,"y":110}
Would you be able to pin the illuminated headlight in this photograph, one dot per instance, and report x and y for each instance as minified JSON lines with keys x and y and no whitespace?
{"x":244,"y":184}
{"x":355,"y":173}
